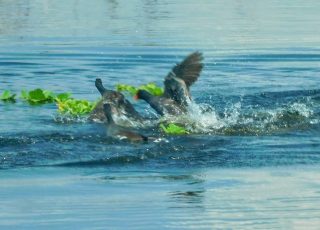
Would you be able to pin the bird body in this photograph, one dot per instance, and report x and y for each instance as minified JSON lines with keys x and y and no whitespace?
{"x":177,"y":84}
{"x":117,"y":131}
{"x":120,"y":106}
{"x":162,"y":105}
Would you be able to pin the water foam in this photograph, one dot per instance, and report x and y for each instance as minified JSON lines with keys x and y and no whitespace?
{"x":236,"y":120}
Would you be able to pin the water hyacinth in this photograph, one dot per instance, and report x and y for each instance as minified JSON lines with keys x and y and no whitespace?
{"x":7,"y":96}
{"x":65,"y":103}
{"x":173,"y":129}
{"x":126,"y":88}
{"x":62,"y":97}
{"x":150,"y":87}
{"x":75,"y":107}
{"x":40,"y":96}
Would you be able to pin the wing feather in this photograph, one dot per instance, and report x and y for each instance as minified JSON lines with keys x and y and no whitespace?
{"x":182,"y":76}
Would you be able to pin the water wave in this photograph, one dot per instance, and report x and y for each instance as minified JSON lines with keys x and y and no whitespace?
{"x":240,"y":118}
{"x":216,"y":137}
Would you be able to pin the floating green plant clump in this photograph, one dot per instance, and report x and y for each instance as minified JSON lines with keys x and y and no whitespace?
{"x":40,"y":96}
{"x":127,"y":88}
{"x":37,"y":96}
{"x":75,"y":107}
{"x":8,"y":96}
{"x":62,"y":97}
{"x":150,"y":87}
{"x":173,"y":129}
{"x":65,"y":103}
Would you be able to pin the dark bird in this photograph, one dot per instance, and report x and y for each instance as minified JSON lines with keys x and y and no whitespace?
{"x":120,"y":106}
{"x":117,"y":131}
{"x":177,"y":84}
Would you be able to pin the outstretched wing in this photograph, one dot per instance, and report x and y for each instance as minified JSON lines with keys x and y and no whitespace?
{"x":182,"y":76}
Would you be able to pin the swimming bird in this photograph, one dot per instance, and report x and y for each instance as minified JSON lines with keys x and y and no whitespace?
{"x":117,"y":131}
{"x":120,"y":106}
{"x":177,"y":84}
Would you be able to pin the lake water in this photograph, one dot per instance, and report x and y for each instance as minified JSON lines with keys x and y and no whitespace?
{"x":253,"y":161}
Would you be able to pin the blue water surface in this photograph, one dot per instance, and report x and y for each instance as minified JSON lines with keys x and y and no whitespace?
{"x":252,"y":161}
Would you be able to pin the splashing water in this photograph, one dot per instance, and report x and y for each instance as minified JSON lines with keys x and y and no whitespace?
{"x":235,"y":120}
{"x":68,"y":119}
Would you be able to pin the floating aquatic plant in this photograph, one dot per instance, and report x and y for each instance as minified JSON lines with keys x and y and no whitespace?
{"x":37,"y":96}
{"x":150,"y":87}
{"x":75,"y":107}
{"x":7,"y":96}
{"x":66,"y":104}
{"x":40,"y":96}
{"x":62,"y":97}
{"x":127,"y":88}
{"x":173,"y":129}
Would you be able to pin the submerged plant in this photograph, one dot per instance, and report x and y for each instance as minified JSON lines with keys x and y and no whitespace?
{"x":150,"y":87}
{"x":7,"y":96}
{"x":173,"y":129}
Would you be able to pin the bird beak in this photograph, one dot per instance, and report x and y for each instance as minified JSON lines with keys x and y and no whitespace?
{"x":136,"y":97}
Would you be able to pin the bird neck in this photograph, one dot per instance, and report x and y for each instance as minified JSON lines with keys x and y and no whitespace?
{"x":146,"y":96}
{"x":109,"y":118}
{"x":101,"y":89}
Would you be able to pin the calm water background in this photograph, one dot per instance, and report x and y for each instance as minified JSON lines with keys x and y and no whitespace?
{"x":254,"y":162}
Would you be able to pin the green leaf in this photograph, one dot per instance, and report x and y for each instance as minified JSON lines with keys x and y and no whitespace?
{"x":49,"y":95}
{"x":163,"y":128}
{"x":24,"y":94}
{"x":37,"y":95}
{"x":75,"y":107}
{"x":128,"y":88}
{"x":150,"y":87}
{"x":7,"y":96}
{"x":63,"y":97}
{"x":173,"y":129}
